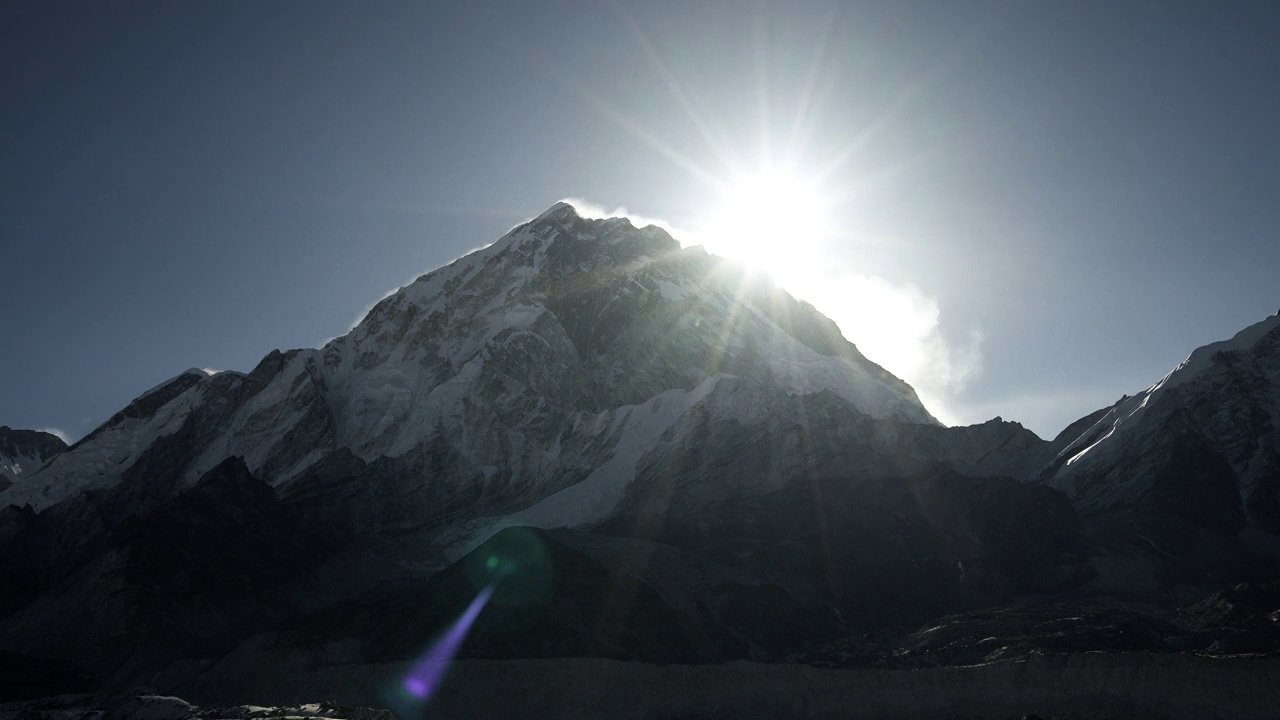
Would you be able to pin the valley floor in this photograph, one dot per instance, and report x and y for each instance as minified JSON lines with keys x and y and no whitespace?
{"x":1091,"y":685}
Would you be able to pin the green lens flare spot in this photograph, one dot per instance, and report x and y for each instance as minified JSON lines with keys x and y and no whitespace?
{"x":516,"y":562}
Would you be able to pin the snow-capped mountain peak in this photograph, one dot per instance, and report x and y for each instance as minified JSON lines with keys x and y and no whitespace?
{"x":1128,"y":413}
{"x":1215,"y":417}
{"x":516,"y":361}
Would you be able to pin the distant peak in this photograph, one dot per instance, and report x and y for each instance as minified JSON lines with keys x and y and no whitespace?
{"x":560,"y":210}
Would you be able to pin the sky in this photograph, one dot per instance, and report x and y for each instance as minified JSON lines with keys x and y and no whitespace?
{"x":1026,"y":209}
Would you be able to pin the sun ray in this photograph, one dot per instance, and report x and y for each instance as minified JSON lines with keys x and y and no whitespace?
{"x":648,"y":138}
{"x":761,"y":40}
{"x":865,"y":182}
{"x":802,"y":125}
{"x":730,"y":323}
{"x":931,"y":76}
{"x":715,"y":138}
{"x":883,"y":121}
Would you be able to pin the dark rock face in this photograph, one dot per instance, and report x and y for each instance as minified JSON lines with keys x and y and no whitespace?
{"x":193,"y":578}
{"x":570,"y":594}
{"x":885,"y":550}
{"x":22,"y":442}
{"x":180,"y":578}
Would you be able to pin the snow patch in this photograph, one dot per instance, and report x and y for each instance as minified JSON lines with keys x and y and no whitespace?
{"x":593,"y":499}
{"x":20,"y":465}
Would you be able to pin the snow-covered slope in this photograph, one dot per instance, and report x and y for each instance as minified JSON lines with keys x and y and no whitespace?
{"x":526,"y":366}
{"x":1202,"y":444}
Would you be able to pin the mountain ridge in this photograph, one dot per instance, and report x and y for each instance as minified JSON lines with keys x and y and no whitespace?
{"x":409,"y":363}
{"x":691,"y":465}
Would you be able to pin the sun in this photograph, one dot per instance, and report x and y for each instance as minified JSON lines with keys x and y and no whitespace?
{"x":772,"y":221}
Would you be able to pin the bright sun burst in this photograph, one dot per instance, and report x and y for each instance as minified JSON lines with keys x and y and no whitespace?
{"x":771,"y":221}
{"x":782,"y":219}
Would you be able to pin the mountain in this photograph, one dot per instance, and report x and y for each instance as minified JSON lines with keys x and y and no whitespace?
{"x":519,"y":366}
{"x":1192,"y":463}
{"x":23,"y":452}
{"x":635,"y":452}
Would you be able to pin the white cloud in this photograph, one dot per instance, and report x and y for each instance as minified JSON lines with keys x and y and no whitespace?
{"x":899,"y":327}
{"x":588,"y":209}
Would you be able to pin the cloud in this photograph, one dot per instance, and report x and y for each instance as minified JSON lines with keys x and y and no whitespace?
{"x":899,"y":327}
{"x":588,"y":209}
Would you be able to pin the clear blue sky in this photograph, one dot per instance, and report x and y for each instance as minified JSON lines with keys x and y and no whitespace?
{"x":1091,"y":188}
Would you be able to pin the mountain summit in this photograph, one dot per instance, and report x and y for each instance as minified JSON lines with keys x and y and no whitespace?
{"x":521,"y":367}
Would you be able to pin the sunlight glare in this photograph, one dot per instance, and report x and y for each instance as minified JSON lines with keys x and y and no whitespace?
{"x":770,"y":221}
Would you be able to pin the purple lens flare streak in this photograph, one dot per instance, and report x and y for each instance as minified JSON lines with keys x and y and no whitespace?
{"x":425,"y":677}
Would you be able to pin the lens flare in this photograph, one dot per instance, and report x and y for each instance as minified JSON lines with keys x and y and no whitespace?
{"x":424,"y":679}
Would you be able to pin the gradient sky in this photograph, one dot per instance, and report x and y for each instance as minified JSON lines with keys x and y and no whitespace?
{"x":1084,"y":191}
